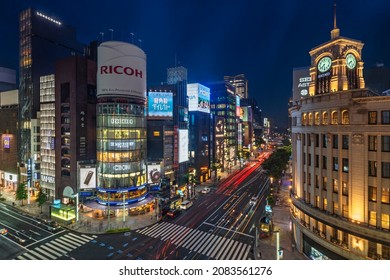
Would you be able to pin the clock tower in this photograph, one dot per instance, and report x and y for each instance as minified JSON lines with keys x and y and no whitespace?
{"x":337,"y":64}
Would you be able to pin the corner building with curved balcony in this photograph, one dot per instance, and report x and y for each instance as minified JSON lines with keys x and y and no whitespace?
{"x":121,"y":128}
{"x":341,"y":159}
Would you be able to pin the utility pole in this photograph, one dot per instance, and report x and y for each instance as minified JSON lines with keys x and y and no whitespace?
{"x":277,"y":246}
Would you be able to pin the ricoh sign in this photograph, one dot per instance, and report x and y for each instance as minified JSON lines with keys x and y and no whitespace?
{"x":121,"y":70}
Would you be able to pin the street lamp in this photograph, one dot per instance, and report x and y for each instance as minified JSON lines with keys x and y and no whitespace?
{"x":77,"y":206}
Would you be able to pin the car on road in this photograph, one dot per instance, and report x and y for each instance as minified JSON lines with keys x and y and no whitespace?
{"x":253,"y":200}
{"x":205,"y":190}
{"x":52,"y":225}
{"x":185,"y":204}
{"x":3,"y":231}
{"x":173,"y":213}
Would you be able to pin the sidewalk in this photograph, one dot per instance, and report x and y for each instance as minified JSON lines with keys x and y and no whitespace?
{"x":86,"y":224}
{"x":266,"y":248}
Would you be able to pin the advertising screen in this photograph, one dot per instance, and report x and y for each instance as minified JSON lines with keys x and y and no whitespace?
{"x":87,"y":177}
{"x":198,"y":98}
{"x":6,"y":142}
{"x":160,"y":104}
{"x":121,"y":70}
{"x":154,"y":173}
{"x":301,"y":82}
{"x":183,"y":145}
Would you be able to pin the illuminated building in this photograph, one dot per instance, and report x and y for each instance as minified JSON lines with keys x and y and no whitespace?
{"x":42,"y":41}
{"x":8,"y":140}
{"x":240,"y":83}
{"x":223,"y":107}
{"x":341,"y":158}
{"x":199,"y":130}
{"x":121,"y":128}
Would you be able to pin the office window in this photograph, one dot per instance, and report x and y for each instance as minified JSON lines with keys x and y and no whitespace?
{"x":385,"y":143}
{"x":335,"y":141}
{"x":372,"y":143}
{"x":303,"y":137}
{"x":345,"y":165}
{"x":308,"y":139}
{"x":372,"y":168}
{"x":345,"y":142}
{"x":317,"y":139}
{"x":324,"y":183}
{"x":317,"y":163}
{"x":385,"y":117}
{"x":317,"y":181}
{"x":324,"y":162}
{"x":335,"y":163}
{"x":386,"y":225}
{"x":372,"y":218}
{"x":372,"y":193}
{"x":344,"y":188}
{"x":309,"y":159}
{"x":324,"y":141}
{"x":372,"y":117}
{"x":385,"y":195}
{"x":385,"y":169}
{"x":304,"y":158}
{"x":335,"y":186}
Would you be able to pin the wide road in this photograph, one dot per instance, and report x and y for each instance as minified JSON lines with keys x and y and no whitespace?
{"x":219,"y":225}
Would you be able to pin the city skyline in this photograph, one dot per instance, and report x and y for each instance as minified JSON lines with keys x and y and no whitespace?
{"x":264,"y":41}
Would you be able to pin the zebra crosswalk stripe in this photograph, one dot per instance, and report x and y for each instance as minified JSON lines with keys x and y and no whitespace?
{"x":192,"y":239}
{"x":38,"y":255}
{"x":175,"y":234}
{"x":203,"y":250}
{"x":62,"y":245}
{"x":45,"y":253}
{"x":156,"y":232}
{"x":30,"y":256}
{"x":201,"y":242}
{"x":56,"y":248}
{"x":188,"y":238}
{"x":242,"y":252}
{"x":47,"y":248}
{"x":237,"y":251}
{"x":167,"y":231}
{"x":81,"y":242}
{"x":232,"y":250}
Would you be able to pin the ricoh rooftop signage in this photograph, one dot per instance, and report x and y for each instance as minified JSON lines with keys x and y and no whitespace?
{"x":121,"y":70}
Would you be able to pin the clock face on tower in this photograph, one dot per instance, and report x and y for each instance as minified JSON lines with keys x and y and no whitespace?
{"x":351,"y":61}
{"x":324,"y":64}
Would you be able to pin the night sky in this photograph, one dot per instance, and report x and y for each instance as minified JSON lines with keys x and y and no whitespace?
{"x":262,"y":39}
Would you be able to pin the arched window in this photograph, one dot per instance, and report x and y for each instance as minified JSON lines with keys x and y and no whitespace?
{"x":304,"y":119}
{"x":345,"y":117}
{"x":317,"y":118}
{"x":335,"y":118}
{"x":310,"y":118}
{"x":325,"y":119}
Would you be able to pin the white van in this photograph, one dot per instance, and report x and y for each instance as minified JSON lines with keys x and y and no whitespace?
{"x":185,"y":204}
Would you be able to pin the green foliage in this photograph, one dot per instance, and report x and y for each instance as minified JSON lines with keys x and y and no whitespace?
{"x":276,"y":163}
{"x":41,"y":199}
{"x":21,"y":192}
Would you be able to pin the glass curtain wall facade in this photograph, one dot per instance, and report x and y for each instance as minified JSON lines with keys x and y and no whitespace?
{"x":121,"y":152}
{"x":47,"y":120}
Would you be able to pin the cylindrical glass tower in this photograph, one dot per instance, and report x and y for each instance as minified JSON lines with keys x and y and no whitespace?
{"x":121,"y":124}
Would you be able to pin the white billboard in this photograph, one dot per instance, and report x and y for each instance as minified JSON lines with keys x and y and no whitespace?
{"x":183,"y":145}
{"x":198,"y":98}
{"x":121,"y":70}
{"x":154,"y":173}
{"x":87,"y":178}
